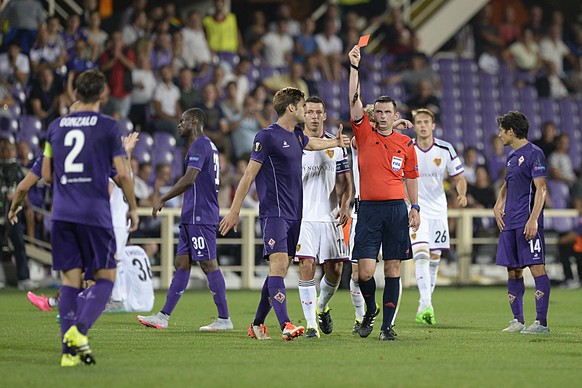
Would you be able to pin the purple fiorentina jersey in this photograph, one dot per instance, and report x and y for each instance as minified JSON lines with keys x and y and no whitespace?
{"x":201,"y":200}
{"x":36,"y":168}
{"x":523,"y":166}
{"x":279,"y":184}
{"x":84,"y":145}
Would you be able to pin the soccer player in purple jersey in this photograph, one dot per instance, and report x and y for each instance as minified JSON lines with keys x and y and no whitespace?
{"x":276,"y":165}
{"x":519,"y":215}
{"x":80,"y":150}
{"x":197,"y":241}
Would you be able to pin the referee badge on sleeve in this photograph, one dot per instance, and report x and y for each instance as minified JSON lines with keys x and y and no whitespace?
{"x":257,"y":147}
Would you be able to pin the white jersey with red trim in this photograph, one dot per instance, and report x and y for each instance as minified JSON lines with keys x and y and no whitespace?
{"x":433,"y":163}
{"x":320,"y":170}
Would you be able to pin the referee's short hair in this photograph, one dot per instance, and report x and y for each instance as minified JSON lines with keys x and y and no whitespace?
{"x":385,"y":99}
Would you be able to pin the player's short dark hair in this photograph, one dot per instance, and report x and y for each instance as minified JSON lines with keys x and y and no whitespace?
{"x":198,"y":114}
{"x":516,"y":121}
{"x":316,"y":100}
{"x":285,"y":97}
{"x":90,"y":85}
{"x":423,"y":111}
{"x":385,"y":99}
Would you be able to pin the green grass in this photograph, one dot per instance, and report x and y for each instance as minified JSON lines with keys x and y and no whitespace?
{"x":465,"y":348}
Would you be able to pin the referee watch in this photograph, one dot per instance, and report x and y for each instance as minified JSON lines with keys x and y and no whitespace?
{"x":415,"y":207}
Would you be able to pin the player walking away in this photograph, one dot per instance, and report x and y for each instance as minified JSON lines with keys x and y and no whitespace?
{"x":327,"y":190}
{"x":197,"y":241}
{"x":385,"y":157}
{"x":520,"y":218}
{"x":80,"y":150}
{"x":435,"y":158}
{"x":276,"y":165}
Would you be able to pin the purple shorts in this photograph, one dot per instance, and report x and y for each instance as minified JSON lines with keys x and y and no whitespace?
{"x":197,"y":241}
{"x":280,"y":236}
{"x":82,"y":246}
{"x":514,"y":251}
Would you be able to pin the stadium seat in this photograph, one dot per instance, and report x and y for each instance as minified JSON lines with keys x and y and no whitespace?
{"x":231,"y":59}
{"x":145,"y":142}
{"x":8,"y":124}
{"x":164,"y":140}
{"x":126,"y":126}
{"x":30,"y":124}
{"x":141,"y":155}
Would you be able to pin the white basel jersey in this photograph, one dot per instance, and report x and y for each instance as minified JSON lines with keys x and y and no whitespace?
{"x":320,"y":169}
{"x":356,"y":174}
{"x":433,"y":163}
{"x":134,"y":285}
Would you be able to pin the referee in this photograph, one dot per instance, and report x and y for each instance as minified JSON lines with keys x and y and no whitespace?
{"x":385,"y":158}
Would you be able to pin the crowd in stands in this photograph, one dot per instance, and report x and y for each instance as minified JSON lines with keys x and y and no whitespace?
{"x":161,"y":60}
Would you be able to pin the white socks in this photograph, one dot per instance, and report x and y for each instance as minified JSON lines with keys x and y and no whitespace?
{"x":424,"y":284}
{"x":433,"y":269}
{"x":357,"y":299}
{"x":326,"y":291}
{"x":307,"y":295}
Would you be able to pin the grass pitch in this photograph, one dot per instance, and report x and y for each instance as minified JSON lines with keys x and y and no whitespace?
{"x":466,"y":347}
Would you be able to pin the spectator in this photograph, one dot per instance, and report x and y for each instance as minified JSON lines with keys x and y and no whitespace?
{"x":424,"y":98}
{"x":550,"y":84}
{"x":6,"y":100}
{"x":47,"y":96}
{"x":553,"y":50}
{"x":254,"y":34}
{"x":508,"y":29}
{"x":195,"y":50}
{"x":229,"y":105}
{"x":536,"y":23}
{"x":560,"y":164}
{"x":14,"y":66}
{"x":216,"y":124}
{"x":487,"y":39}
{"x":419,"y":70}
{"x":293,"y":78}
{"x":89,"y":6}
{"x":400,"y":38}
{"x":135,"y":7}
{"x":574,"y":79}
{"x":228,"y":178}
{"x":245,"y":126}
{"x":331,"y":49}
{"x":242,"y":68}
{"x":189,"y":96}
{"x":480,"y":195}
{"x":166,"y":103}
{"x":117,"y":62}
{"x":44,"y":51}
{"x":170,"y":15}
{"x":163,"y":184}
{"x":525,"y":53}
{"x":143,"y":189}
{"x":284,"y":13}
{"x":72,"y":33}
{"x":136,"y":29}
{"x":547,"y":142}
{"x":278,"y":46}
{"x":220,"y":79}
{"x":471,"y":157}
{"x":79,"y":61}
{"x":24,"y":17}
{"x":144,"y":83}
{"x":54,"y":31}
{"x":222,"y":30}
{"x":162,"y":54}
{"x":305,"y":43}
{"x":95,"y":35}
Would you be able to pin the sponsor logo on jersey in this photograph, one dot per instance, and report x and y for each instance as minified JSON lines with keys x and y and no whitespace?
{"x":520,"y":160}
{"x":329,"y":153}
{"x":396,"y":163}
{"x":508,"y":163}
{"x":437,"y":161}
{"x":279,"y":297}
{"x":271,"y":243}
{"x":257,"y":147}
{"x":511,"y":298}
{"x":539,"y":294}
{"x":285,"y":144}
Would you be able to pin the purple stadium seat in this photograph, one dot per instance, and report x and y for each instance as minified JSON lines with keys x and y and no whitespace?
{"x":14,"y":111}
{"x":164,"y":140}
{"x":31,"y":139}
{"x":231,"y":59}
{"x":30,"y":124}
{"x":528,"y":94}
{"x":267,"y":71}
{"x":199,"y":82}
{"x":145,"y":142}
{"x":126,"y":126}
{"x":178,"y":163}
{"x":7,"y":135}
{"x":141,"y":155}
{"x":549,"y":110}
{"x":467,"y":66}
{"x":448,"y":64}
{"x":8,"y":124}
{"x":162,"y":156}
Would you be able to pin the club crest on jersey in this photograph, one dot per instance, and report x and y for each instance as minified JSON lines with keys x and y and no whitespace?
{"x":396,"y":163}
{"x":539,"y":294}
{"x":257,"y":147}
{"x":520,"y":160}
{"x":511,"y":298}
{"x":413,"y":236}
{"x":279,"y":297}
{"x":437,"y":161}
{"x":271,"y":243}
{"x":329,"y":153}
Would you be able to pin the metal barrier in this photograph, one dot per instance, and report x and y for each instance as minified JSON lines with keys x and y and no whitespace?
{"x":463,"y":241}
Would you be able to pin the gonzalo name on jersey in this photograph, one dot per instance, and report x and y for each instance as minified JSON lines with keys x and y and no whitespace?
{"x":81,"y":121}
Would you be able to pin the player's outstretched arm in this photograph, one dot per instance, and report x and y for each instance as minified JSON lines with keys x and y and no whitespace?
{"x":179,"y":188}
{"x":231,"y":220}
{"x":356,"y":107}
{"x":20,"y":194}
{"x":125,"y":180}
{"x":499,"y":208}
{"x":344,"y":188}
{"x":317,"y":144}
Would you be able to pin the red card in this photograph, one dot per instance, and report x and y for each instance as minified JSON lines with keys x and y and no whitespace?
{"x":364,"y":40}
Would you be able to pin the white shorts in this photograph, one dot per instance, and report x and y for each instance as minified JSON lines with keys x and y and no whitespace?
{"x":434,"y":232}
{"x":321,"y":241}
{"x":121,"y":236}
{"x":353,"y":236}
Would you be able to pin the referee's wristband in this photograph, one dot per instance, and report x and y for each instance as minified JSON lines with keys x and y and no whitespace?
{"x":354,"y":66}
{"x":415,"y":207}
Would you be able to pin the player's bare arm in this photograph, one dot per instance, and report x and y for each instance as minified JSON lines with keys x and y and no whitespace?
{"x":356,"y":107}
{"x":123,"y":168}
{"x":47,"y":163}
{"x":345,"y":192}
{"x":461,"y":186}
{"x":183,"y":184}
{"x":19,"y":196}
{"x":232,"y":218}
{"x":531,"y":226}
{"x":402,"y":124}
{"x":317,"y":144}
{"x":499,"y":208}
{"x":413,"y":215}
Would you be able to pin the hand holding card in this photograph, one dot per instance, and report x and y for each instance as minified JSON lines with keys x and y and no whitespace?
{"x":364,"y":40}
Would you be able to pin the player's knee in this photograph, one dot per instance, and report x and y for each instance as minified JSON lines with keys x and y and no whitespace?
{"x":208,"y":266}
{"x":182,"y":263}
{"x":421,"y":255}
{"x":306,"y":269}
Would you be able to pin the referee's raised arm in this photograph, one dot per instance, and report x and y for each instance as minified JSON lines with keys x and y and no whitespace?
{"x":356,"y":107}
